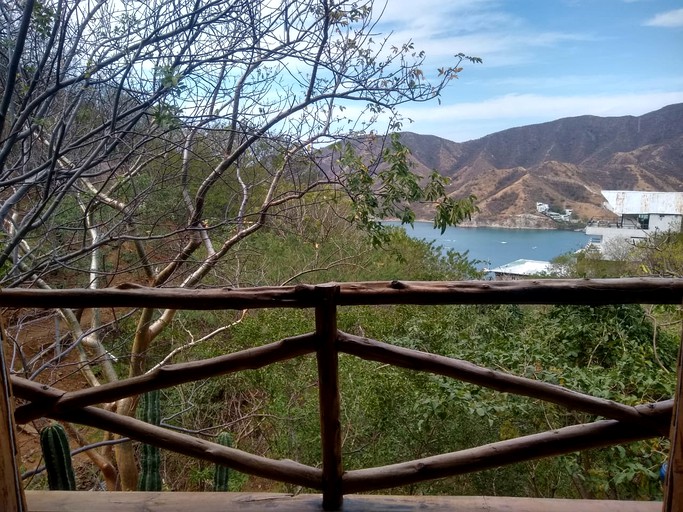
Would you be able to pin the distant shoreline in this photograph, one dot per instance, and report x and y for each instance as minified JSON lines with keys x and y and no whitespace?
{"x":517,"y":222}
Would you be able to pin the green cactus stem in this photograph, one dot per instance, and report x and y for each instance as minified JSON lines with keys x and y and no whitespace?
{"x":150,"y":458}
{"x":150,"y":408}
{"x":221,"y":475}
{"x":57,"y":455}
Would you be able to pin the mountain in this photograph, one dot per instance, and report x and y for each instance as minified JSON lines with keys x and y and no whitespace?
{"x":565,"y":163}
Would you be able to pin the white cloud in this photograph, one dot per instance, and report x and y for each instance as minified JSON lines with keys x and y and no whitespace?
{"x":466,"y":15}
{"x":669,"y":19}
{"x":483,"y":28}
{"x":463,"y":121}
{"x":509,"y":37}
{"x":497,"y":49}
{"x":598,"y":84}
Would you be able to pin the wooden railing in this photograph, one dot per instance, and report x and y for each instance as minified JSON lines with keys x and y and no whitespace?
{"x":622,"y":423}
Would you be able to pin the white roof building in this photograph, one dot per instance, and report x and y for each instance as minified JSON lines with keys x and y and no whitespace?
{"x":624,"y":202}
{"x":520,"y":269}
{"x":640,"y":214}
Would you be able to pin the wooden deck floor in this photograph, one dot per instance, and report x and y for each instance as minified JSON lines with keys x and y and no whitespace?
{"x":61,"y":501}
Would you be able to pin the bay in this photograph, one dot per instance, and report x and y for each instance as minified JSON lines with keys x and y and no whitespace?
{"x":496,"y":246}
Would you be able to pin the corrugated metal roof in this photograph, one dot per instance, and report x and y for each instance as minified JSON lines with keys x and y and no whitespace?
{"x":523,"y":267}
{"x":634,"y":202}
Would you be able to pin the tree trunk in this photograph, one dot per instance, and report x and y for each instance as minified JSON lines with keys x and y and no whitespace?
{"x":125,"y":453}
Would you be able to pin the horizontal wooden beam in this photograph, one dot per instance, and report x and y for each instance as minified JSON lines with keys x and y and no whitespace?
{"x":532,"y":291}
{"x":83,"y":501}
{"x":373,"y":350}
{"x":541,"y":291}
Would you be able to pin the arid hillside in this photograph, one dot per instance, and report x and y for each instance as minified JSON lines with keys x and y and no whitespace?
{"x":564,"y":163}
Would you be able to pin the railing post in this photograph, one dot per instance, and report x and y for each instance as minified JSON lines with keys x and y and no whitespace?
{"x":328,"y":385}
{"x":673,"y":489}
{"x":11,"y":491}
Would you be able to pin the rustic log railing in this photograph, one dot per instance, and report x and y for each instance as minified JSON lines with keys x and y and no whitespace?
{"x":622,"y":423}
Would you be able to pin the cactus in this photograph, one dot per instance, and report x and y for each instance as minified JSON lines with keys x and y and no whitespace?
{"x":221,"y":473}
{"x":150,"y":410}
{"x":55,"y":447}
{"x":150,"y":458}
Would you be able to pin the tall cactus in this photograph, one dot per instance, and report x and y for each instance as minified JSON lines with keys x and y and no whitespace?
{"x":221,"y":474}
{"x":150,"y":458}
{"x":55,"y":447}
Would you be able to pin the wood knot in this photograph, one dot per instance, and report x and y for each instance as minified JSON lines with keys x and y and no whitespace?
{"x":128,"y":286}
{"x":398,"y":285}
{"x":303,"y":288}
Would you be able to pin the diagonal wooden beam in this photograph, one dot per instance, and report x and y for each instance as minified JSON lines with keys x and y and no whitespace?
{"x":45,"y":400}
{"x":502,"y":453}
{"x":465,"y":371}
{"x":281,"y":470}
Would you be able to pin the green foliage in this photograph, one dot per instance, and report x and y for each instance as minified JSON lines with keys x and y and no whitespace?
{"x":661,"y":254}
{"x":391,"y":192}
{"x":451,"y":211}
{"x":316,"y":250}
{"x":392,"y":415}
{"x":221,"y":475}
{"x":43,"y":17}
{"x":150,"y":457}
{"x":169,"y":78}
{"x":589,"y":263}
{"x":599,"y":336}
{"x":166,"y":115}
{"x":55,"y":448}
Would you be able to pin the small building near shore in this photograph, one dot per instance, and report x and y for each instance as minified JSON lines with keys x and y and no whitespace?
{"x":521,"y":269}
{"x":637,"y":215}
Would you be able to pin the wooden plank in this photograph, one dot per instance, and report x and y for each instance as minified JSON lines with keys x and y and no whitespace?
{"x":62,"y":501}
{"x":11,"y":489}
{"x":328,"y":387}
{"x":546,"y":291}
{"x":673,"y":490}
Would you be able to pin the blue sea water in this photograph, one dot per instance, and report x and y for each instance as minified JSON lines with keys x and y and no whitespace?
{"x":496,"y":246}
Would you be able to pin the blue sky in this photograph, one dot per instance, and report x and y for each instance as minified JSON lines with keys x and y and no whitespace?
{"x":543,"y":59}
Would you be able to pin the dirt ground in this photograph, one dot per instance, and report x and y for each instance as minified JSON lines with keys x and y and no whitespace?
{"x":31,"y":334}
